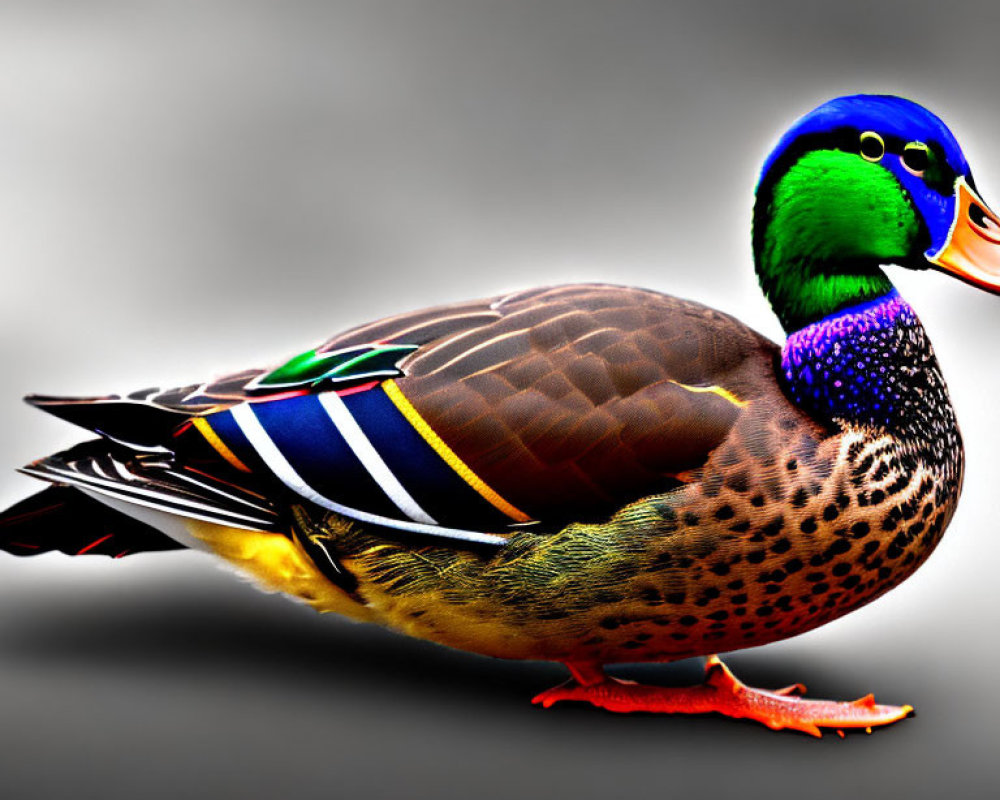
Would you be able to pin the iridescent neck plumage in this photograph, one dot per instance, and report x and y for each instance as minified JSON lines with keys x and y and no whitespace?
{"x":821,"y":230}
{"x":870,"y":364}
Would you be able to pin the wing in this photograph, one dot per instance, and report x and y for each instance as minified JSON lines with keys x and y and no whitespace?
{"x":573,"y":401}
{"x":545,"y":406}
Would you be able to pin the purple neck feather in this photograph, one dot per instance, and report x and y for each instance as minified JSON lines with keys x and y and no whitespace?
{"x":855,"y":364}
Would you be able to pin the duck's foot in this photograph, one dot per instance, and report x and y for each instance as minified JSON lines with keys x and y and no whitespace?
{"x":723,"y":693}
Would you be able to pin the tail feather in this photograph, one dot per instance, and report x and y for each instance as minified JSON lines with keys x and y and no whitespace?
{"x":127,"y":420}
{"x":153,"y":480}
{"x":63,"y":519}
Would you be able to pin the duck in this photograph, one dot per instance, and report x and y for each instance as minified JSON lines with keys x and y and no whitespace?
{"x":589,"y":474}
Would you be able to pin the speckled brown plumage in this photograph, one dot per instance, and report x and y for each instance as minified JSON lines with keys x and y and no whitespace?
{"x":784,"y":529}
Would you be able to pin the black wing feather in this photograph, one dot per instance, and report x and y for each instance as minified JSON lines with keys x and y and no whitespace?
{"x":155,"y":481}
{"x":62,"y":519}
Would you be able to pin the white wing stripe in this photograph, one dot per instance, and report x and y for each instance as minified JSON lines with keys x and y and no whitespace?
{"x":369,"y":457}
{"x":246,"y":419}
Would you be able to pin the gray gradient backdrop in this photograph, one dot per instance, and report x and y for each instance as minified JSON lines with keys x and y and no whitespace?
{"x":192,"y":187}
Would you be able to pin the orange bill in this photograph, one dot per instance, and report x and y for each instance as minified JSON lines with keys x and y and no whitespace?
{"x":972,"y":250}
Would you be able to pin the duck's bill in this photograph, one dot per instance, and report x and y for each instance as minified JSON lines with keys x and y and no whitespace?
{"x":972,"y":250}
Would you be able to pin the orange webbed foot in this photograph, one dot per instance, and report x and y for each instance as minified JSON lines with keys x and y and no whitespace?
{"x":723,"y":693}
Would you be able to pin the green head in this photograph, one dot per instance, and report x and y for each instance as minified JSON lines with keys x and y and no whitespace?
{"x":860,"y":182}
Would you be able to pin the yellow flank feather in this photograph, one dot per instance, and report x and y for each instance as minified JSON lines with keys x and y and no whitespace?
{"x":725,"y":394}
{"x":277,"y":564}
{"x":450,"y":457}
{"x":220,"y":446}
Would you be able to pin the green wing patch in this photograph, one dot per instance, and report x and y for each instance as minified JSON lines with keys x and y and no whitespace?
{"x":313,"y":369}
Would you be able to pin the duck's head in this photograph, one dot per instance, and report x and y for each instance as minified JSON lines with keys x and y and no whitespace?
{"x":859,"y":182}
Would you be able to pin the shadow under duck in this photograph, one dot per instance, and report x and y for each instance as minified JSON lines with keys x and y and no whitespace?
{"x":589,"y":474}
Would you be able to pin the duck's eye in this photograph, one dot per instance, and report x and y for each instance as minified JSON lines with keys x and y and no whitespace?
{"x":872,"y":146}
{"x":916,"y":157}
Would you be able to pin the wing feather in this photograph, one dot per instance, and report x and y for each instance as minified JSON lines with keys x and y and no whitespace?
{"x":562,"y":403}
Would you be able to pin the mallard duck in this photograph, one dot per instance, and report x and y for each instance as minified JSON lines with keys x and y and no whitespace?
{"x":589,"y":474}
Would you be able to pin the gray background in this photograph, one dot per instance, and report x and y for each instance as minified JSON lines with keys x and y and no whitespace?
{"x":192,"y":187}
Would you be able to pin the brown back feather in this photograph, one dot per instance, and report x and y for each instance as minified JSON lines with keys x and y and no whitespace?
{"x":567,"y":400}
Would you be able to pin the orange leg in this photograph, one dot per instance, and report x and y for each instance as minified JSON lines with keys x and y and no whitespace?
{"x":723,"y":693}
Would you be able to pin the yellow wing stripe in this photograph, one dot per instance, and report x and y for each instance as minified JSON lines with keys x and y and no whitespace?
{"x":725,"y":394}
{"x":220,"y":446}
{"x":450,"y":457}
